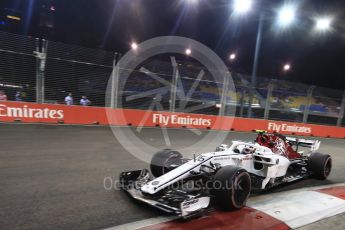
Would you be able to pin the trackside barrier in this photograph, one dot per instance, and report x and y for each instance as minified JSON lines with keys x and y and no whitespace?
{"x":51,"y":113}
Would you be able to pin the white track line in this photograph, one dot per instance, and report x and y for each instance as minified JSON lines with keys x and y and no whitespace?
{"x":297,"y":209}
{"x":258,"y":201}
{"x":142,"y":223}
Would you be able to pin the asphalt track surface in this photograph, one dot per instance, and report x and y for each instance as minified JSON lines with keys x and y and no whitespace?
{"x":52,"y":176}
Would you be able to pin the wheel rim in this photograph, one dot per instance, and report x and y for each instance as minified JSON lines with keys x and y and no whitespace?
{"x":241,"y":189}
{"x":328,"y":167}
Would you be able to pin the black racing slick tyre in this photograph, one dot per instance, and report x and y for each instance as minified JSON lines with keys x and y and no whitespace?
{"x":320,"y":164}
{"x":164,"y":161}
{"x":231,"y":188}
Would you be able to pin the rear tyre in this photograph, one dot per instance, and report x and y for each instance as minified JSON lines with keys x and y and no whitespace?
{"x":164,"y":161}
{"x":320,"y":164}
{"x":231,"y":187}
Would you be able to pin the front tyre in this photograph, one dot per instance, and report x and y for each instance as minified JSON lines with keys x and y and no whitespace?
{"x":164,"y":161}
{"x":231,"y":187}
{"x":320,"y":164}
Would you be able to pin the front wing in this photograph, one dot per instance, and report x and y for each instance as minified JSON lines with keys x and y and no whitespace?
{"x":176,"y":202}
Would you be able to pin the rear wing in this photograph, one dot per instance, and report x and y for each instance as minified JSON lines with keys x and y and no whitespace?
{"x":312,"y":144}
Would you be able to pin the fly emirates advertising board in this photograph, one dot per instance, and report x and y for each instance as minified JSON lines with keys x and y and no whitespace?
{"x":25,"y":111}
{"x":182,"y":120}
{"x":87,"y":115}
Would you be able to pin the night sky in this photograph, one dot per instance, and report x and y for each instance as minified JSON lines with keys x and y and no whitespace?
{"x":113,"y":24}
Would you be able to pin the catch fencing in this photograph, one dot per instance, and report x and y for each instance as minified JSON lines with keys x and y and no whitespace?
{"x":41,"y":71}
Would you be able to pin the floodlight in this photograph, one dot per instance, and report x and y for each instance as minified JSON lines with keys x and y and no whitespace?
{"x":188,"y":51}
{"x":134,"y":46}
{"x":287,"y":67}
{"x":323,"y":24}
{"x":286,"y":15}
{"x":242,"y":6}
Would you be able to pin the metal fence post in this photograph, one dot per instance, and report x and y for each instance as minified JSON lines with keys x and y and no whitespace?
{"x":223,"y":98}
{"x":115,"y":82}
{"x":250,"y":101}
{"x":307,"y":106}
{"x":268,"y":101}
{"x":41,"y":57}
{"x":242,"y":103}
{"x":43,"y":68}
{"x":256,"y":60}
{"x":342,"y":111}
{"x":36,"y":52}
{"x":173,"y":90}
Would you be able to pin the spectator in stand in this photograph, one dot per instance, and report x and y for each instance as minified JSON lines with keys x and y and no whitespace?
{"x":69,"y":99}
{"x":84,"y":101}
{"x":3,"y":96}
{"x":19,"y":96}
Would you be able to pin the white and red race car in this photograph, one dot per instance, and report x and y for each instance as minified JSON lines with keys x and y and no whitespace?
{"x":224,"y":178}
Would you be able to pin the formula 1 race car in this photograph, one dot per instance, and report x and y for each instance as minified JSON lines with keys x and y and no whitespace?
{"x":226,"y":177}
